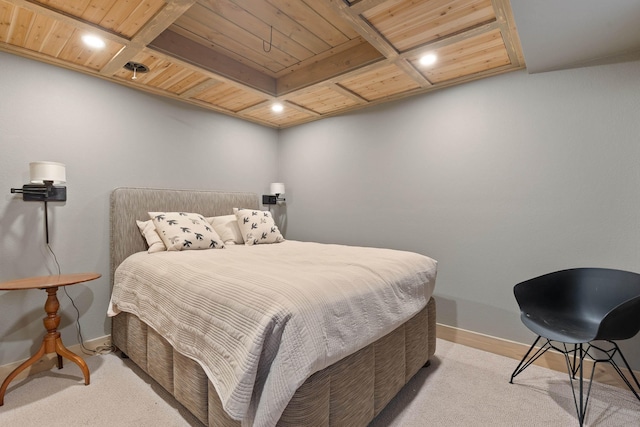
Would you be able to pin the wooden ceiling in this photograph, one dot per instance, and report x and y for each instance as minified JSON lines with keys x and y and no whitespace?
{"x":318,"y":58}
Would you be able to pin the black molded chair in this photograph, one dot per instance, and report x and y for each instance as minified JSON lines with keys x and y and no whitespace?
{"x":570,"y":309}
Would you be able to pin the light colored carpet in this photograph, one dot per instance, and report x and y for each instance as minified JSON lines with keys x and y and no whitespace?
{"x":120,"y":395}
{"x":462,"y":387}
{"x":468,"y":387}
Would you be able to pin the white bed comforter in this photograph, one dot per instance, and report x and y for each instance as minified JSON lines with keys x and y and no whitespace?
{"x":261,"y":319}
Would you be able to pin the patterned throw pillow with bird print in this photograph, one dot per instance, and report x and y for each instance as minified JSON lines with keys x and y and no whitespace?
{"x":181,"y":231}
{"x":258,"y":227}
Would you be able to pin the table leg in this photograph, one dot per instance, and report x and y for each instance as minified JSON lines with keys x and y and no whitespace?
{"x":51,"y":343}
{"x":63,"y":351}
{"x":33,"y":359}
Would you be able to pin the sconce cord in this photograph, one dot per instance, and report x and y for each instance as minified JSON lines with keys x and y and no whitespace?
{"x":102,"y":349}
{"x":46,"y":230}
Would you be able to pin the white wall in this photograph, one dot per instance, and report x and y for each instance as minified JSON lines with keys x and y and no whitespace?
{"x":108,"y":136}
{"x":500,"y":180}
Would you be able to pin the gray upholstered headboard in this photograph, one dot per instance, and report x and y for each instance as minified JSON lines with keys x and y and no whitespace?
{"x":129,"y":204}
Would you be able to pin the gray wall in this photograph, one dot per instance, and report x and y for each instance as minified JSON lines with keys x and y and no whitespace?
{"x":500,"y":180}
{"x":108,"y":136}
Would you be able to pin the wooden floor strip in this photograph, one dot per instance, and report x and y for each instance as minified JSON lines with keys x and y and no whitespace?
{"x":604,"y":373}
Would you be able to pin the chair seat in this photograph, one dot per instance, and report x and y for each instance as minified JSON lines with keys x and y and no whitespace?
{"x":576,"y":307}
{"x":560,"y":328}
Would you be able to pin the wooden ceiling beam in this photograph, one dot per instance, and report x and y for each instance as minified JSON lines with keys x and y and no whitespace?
{"x":152,"y":29}
{"x":119,"y":60}
{"x":353,"y":14}
{"x":505,"y":20}
{"x":163,"y":19}
{"x":302,"y":109}
{"x":349,"y":94}
{"x":406,"y":66}
{"x":361,"y":6}
{"x":362,"y":27}
{"x":255,"y":107}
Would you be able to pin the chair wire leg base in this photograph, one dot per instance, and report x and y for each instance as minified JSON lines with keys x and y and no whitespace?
{"x":581,"y":400}
{"x":524,"y":363}
{"x":610,"y":354}
{"x":574,"y":359}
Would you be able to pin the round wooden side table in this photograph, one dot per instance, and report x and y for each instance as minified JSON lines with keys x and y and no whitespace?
{"x":52,"y":342}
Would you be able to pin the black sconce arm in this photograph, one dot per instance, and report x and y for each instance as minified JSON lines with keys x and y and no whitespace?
{"x":46,"y":192}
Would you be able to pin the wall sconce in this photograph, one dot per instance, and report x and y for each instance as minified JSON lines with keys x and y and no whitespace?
{"x":43,"y":176}
{"x":277,"y":190}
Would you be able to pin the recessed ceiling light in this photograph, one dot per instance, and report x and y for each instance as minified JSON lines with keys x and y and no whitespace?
{"x":428,"y":59}
{"x":93,"y":41}
{"x":277,"y":107}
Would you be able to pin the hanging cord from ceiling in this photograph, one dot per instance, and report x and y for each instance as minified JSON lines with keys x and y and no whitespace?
{"x":264,"y":43}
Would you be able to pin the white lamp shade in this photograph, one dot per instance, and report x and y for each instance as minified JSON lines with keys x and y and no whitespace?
{"x":277,"y":188}
{"x":47,"y":171}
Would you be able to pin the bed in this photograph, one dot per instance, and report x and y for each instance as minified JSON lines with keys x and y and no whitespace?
{"x":347,"y":386}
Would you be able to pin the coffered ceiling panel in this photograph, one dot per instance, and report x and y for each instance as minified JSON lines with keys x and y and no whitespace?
{"x":287,"y":117}
{"x":229,"y":97}
{"x":316,"y":58}
{"x":384,"y":81}
{"x":475,"y":55}
{"x":407,"y":24}
{"x":121,"y":17}
{"x":324,"y":100}
{"x":50,"y":37}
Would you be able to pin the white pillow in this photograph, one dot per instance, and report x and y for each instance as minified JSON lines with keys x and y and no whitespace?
{"x":257,"y":227}
{"x":148,"y":231}
{"x":227,"y":228}
{"x":182,"y":231}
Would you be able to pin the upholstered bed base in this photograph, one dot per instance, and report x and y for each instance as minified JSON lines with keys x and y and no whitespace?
{"x":350,"y":392}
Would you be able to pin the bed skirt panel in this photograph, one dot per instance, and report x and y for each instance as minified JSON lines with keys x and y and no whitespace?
{"x":351,"y":392}
{"x":160,"y":362}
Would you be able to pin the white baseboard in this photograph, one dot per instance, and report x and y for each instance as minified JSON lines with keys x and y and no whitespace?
{"x":551,"y":359}
{"x":48,"y":361}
